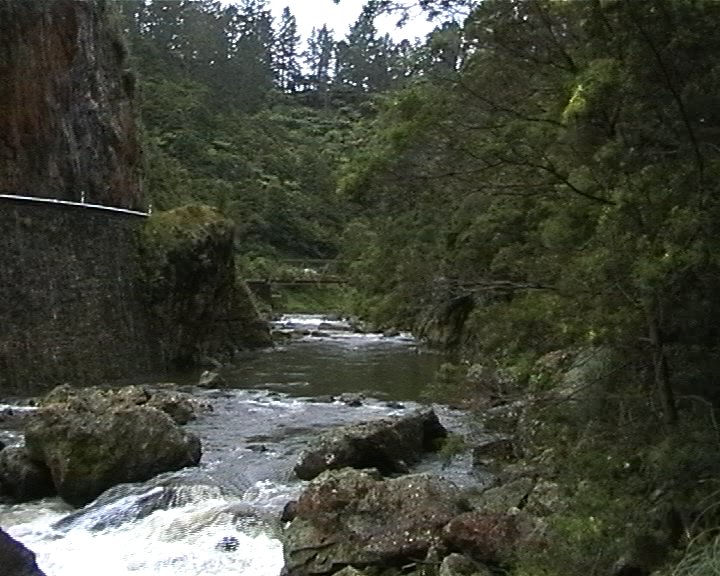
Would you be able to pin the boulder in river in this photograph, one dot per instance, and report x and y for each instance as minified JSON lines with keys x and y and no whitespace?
{"x":180,"y":406}
{"x":388,"y":444}
{"x":91,"y":447}
{"x":355,"y":518}
{"x":21,"y":479}
{"x":15,"y":559}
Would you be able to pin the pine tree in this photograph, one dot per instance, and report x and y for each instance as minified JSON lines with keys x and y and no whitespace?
{"x":319,"y":59}
{"x":285,"y":53}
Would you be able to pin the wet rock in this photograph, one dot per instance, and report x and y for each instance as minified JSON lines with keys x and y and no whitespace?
{"x":460,"y":565}
{"x":500,"y":448}
{"x":489,"y":537}
{"x":354,"y":518}
{"x":281,"y":335}
{"x":22,"y":479}
{"x":127,"y":503}
{"x":12,"y":419}
{"x":289,"y":511}
{"x":395,"y":405}
{"x":95,"y":398}
{"x":334,"y":326}
{"x":350,"y":571}
{"x":228,"y":544}
{"x":505,"y":497}
{"x":211,"y":379}
{"x":182,"y":408}
{"x":15,"y":559}
{"x":91,"y":448}
{"x":388,"y":444}
{"x":351,"y":399}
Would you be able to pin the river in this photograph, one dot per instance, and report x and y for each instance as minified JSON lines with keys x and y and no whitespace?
{"x":221,"y":518}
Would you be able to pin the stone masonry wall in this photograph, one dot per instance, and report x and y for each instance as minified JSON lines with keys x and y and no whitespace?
{"x":70,"y":307}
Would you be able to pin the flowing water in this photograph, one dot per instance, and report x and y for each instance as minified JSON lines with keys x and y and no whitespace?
{"x":221,"y":518}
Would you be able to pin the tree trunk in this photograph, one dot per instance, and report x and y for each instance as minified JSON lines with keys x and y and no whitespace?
{"x":661,"y":372}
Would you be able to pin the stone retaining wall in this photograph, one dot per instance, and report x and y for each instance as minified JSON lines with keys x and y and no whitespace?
{"x":70,"y":301}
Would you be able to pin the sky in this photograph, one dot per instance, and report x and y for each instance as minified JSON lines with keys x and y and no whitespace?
{"x":339,"y":17}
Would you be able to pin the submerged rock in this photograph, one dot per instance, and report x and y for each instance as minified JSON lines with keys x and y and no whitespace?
{"x":355,"y":518}
{"x":211,"y":379}
{"x":15,"y":559}
{"x":228,"y":544}
{"x":388,"y":444}
{"x":91,"y":448}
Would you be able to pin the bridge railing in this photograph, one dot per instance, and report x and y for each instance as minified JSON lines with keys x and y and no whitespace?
{"x":304,"y":271}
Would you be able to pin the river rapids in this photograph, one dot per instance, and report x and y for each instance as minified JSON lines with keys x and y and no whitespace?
{"x":222,"y":518}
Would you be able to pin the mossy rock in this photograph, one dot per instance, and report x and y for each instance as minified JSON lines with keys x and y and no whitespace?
{"x":199,"y":306}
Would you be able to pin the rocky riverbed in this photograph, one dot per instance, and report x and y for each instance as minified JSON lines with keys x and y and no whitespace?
{"x":286,"y":483}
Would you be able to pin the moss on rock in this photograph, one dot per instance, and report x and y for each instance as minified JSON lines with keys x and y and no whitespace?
{"x":198,"y":304}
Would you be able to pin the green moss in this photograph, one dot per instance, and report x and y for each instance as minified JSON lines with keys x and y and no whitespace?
{"x":187,"y":258}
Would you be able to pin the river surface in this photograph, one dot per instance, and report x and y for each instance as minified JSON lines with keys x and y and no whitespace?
{"x":221,"y":518}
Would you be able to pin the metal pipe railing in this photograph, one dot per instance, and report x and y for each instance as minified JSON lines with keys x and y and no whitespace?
{"x":75,"y":204}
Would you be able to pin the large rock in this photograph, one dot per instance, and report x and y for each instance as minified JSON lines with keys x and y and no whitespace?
{"x":180,"y":406}
{"x":503,"y":497}
{"x":15,"y":559}
{"x":490,"y":537}
{"x":200,"y":308}
{"x":21,"y":479}
{"x":355,"y":518}
{"x":91,"y":448}
{"x":388,"y":444}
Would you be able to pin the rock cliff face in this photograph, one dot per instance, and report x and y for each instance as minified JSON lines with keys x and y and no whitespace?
{"x":73,"y":306}
{"x":67,"y":124}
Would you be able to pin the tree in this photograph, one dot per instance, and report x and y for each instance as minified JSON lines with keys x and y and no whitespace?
{"x":319,"y":60}
{"x":361,"y":64}
{"x":285,"y":60}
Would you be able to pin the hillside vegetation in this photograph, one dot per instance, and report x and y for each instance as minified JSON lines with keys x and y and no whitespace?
{"x":537,"y":180}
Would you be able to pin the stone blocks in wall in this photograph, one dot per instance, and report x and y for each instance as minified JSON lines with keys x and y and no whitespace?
{"x":70,"y":297}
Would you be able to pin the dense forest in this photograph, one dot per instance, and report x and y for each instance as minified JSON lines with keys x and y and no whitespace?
{"x":533,"y":187}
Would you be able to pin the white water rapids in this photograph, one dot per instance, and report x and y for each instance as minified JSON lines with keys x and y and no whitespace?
{"x":221,"y":519}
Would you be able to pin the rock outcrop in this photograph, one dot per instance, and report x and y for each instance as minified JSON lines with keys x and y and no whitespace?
{"x":67,"y":123}
{"x":22,"y":479}
{"x":389,"y":445}
{"x":15,"y":559}
{"x":355,"y":518}
{"x":95,"y":441}
{"x":201,"y":309}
